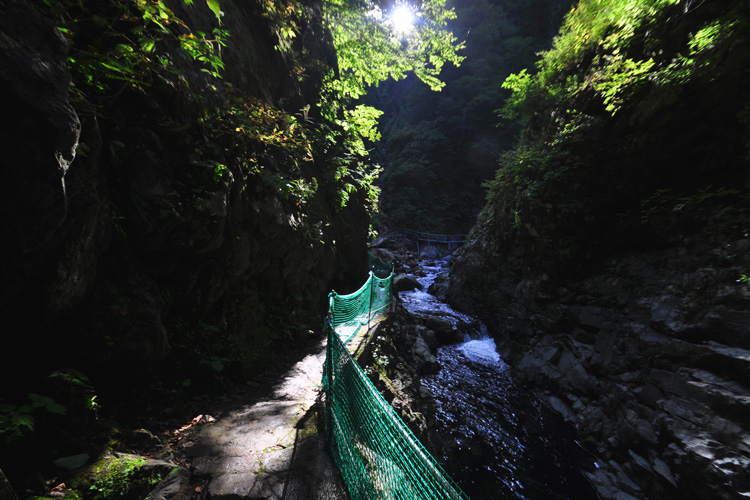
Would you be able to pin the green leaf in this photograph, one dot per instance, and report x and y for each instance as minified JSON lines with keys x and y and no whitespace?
{"x":148,"y":45}
{"x":57,"y":409}
{"x":91,"y":403}
{"x":23,"y":420}
{"x":210,"y":328}
{"x":72,"y":376}
{"x":215,"y":8}
{"x":122,"y":48}
{"x":39,"y":401}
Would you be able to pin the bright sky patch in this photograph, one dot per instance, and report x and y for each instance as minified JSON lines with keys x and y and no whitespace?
{"x":402,"y":18}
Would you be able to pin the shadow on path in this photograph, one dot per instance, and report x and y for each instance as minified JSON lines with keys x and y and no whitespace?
{"x":268,"y":440}
{"x":312,"y":473}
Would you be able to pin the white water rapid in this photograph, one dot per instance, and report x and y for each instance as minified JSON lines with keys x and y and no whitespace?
{"x":499,"y":441}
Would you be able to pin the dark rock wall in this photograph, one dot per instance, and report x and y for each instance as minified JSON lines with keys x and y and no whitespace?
{"x":648,"y":356}
{"x":633,"y":321}
{"x":114,"y":258}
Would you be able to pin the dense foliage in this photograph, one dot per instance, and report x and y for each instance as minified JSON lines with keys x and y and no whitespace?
{"x":174,"y":68}
{"x":127,"y":44}
{"x":220,"y":187}
{"x":635,"y":115}
{"x":369,"y":51}
{"x":437,"y":149}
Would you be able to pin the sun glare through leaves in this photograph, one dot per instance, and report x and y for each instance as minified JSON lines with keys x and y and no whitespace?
{"x":402,"y":18}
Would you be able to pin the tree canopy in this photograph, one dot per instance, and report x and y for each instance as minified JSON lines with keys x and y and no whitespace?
{"x":370,"y":50}
{"x":438,"y":148}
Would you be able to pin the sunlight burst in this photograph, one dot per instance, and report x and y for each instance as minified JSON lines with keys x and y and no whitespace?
{"x":402,"y":18}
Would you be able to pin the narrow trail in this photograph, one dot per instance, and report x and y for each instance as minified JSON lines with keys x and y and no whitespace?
{"x":265,"y":441}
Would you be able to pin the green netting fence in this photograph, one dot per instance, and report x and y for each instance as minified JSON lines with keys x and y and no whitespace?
{"x":381,"y":268}
{"x":376,"y":453}
{"x":351,"y":312}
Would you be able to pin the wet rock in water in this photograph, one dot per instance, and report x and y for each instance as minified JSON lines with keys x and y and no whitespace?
{"x":406,"y":283}
{"x":383,"y":254}
{"x":428,"y":336}
{"x":444,"y":330}
{"x":395,"y":361}
{"x":428,"y":404}
{"x":439,"y":287}
{"x":426,"y":361}
{"x":562,"y":408}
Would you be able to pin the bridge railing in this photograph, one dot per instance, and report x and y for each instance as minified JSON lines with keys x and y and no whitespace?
{"x":441,"y":243}
{"x":376,"y":453}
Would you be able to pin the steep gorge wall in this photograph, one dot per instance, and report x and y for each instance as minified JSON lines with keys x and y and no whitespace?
{"x":116,"y":257}
{"x":647,"y":356}
{"x":609,"y":267}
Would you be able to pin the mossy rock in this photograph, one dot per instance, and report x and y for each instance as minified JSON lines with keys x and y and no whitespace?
{"x":119,"y":476}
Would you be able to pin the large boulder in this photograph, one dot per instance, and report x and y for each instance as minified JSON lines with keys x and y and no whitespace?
{"x":406,"y":283}
{"x":424,"y":357}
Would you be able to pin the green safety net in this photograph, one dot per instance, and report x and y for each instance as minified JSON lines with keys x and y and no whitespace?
{"x":381,"y":268}
{"x":351,"y":312}
{"x":376,"y":453}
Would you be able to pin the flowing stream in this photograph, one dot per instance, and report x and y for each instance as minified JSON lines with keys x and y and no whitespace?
{"x":500,"y":440}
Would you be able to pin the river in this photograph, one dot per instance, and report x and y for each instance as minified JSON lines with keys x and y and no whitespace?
{"x":500,"y":440}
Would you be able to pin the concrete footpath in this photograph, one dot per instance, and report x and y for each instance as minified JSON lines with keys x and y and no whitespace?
{"x":268,"y":442}
{"x":265,"y":443}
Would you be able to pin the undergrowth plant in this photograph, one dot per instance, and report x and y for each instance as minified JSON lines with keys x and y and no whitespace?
{"x":127,"y":41}
{"x":74,"y":393}
{"x":17,"y":421}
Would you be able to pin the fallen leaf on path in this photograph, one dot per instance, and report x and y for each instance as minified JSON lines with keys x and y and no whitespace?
{"x":200,"y":419}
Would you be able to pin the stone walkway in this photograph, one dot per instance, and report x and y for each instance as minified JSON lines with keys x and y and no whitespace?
{"x":269,"y":447}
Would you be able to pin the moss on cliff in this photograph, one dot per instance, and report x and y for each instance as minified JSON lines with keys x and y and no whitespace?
{"x":634,"y":100}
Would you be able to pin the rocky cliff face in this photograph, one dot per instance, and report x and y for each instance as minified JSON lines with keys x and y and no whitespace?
{"x":647,"y":356}
{"x":131,"y":224}
{"x":612,"y":277}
